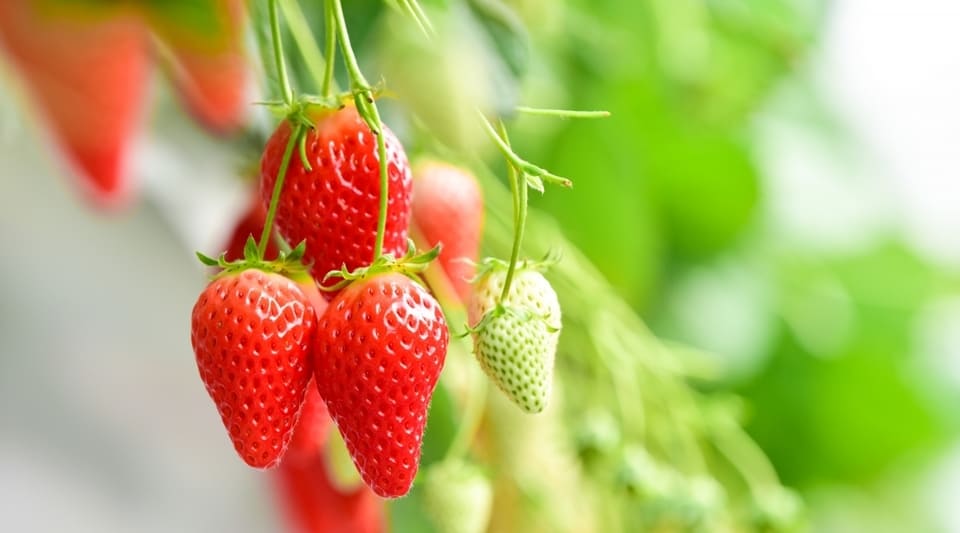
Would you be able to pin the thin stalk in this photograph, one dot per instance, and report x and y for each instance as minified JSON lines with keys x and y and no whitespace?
{"x":744,"y":455}
{"x":330,"y":27}
{"x":525,"y":167}
{"x":277,"y":187}
{"x":278,"y":55}
{"x":368,"y":110}
{"x":519,"y":192}
{"x":562,"y":113}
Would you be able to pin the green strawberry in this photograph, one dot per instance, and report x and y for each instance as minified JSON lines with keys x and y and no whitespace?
{"x":516,"y":342}
{"x":457,"y":497}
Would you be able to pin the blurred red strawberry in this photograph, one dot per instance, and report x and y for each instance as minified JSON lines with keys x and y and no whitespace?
{"x":313,"y":428}
{"x":85,"y":66}
{"x":311,"y":504}
{"x":448,"y":210}
{"x":206,"y":59}
{"x":85,"y":71}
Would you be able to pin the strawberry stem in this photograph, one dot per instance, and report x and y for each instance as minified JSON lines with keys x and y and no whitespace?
{"x":527,"y":169}
{"x":277,"y":187}
{"x":363,"y":96}
{"x":331,"y":52}
{"x":278,"y":55}
{"x":519,"y":192}
{"x":562,"y":113}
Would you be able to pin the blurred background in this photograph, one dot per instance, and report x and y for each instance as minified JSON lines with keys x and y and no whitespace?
{"x":777,"y":187}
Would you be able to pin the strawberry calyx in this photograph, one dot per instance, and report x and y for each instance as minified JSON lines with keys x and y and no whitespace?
{"x":288,"y":263}
{"x":410,"y":264}
{"x":524,"y":314}
{"x":494,"y":264}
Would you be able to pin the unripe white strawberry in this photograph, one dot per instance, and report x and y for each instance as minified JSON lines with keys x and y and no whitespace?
{"x":516,"y":343}
{"x":457,"y":497}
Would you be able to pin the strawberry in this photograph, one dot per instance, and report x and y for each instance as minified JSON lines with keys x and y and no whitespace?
{"x":457,"y":498}
{"x":312,"y":504}
{"x":334,"y":207}
{"x":86,"y":70}
{"x":448,"y":210}
{"x":251,"y":333}
{"x":312,"y":429}
{"x":208,"y":67}
{"x":516,"y":342}
{"x":378,"y":353}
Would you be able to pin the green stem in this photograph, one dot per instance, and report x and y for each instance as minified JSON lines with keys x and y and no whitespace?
{"x":368,"y":110}
{"x":300,"y":29}
{"x":278,"y":55}
{"x":744,"y":455}
{"x":416,"y":12}
{"x":525,"y":167}
{"x":562,"y":113}
{"x":519,"y":191}
{"x":330,"y":26}
{"x":277,"y":187}
{"x":353,"y":67}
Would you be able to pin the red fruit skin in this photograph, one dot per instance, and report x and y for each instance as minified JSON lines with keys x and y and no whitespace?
{"x":448,"y":210}
{"x":209,"y":68}
{"x":85,"y":70}
{"x":312,"y":504}
{"x":335,"y":206}
{"x":378,"y":352}
{"x":251,"y":334}
{"x":312,"y":429}
{"x":252,"y":224}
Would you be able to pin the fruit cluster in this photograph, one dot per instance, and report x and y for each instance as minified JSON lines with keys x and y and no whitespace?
{"x":275,"y":328}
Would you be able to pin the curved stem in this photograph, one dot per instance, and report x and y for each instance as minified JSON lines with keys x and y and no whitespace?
{"x":307,"y":44}
{"x":278,"y":55}
{"x":384,"y":193}
{"x":330,"y":26}
{"x":525,"y":167}
{"x":368,"y":110}
{"x":353,"y":67}
{"x":744,"y":455}
{"x":277,"y":187}
{"x":519,"y":191}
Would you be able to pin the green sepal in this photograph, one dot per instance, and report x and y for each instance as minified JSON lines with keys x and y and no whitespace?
{"x":524,"y":314}
{"x":410,"y":264}
{"x":492,"y":264}
{"x":535,"y":183}
{"x":207,"y":260}
{"x":250,"y":249}
{"x":288,"y":264}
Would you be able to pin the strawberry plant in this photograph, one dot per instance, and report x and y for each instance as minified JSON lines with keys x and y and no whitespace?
{"x":326,"y":338}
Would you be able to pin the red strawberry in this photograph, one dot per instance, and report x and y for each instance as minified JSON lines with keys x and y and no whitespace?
{"x":310,"y":434}
{"x":312,"y":504}
{"x":334,"y":207}
{"x":251,"y":333}
{"x":208,"y":67}
{"x":448,"y":210}
{"x":86,"y":71}
{"x":379,"y":350}
{"x":251,"y":225}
